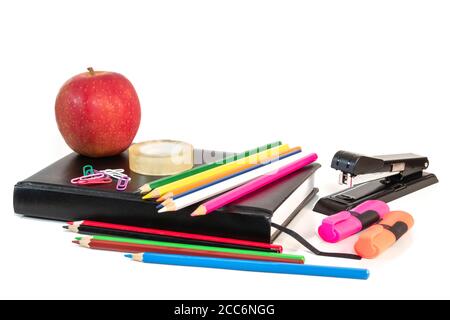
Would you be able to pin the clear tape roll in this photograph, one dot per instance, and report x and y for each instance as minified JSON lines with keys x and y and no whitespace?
{"x":161,"y":157}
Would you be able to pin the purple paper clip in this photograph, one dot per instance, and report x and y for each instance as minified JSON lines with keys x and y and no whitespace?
{"x":122,"y":183}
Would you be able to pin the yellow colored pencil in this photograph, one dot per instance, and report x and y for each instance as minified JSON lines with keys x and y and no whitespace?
{"x":173,"y":193}
{"x":208,"y":176}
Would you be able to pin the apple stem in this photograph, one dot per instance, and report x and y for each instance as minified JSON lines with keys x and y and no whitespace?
{"x":91,"y":71}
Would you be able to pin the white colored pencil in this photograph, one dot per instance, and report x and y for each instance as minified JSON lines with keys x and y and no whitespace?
{"x":215,"y":189}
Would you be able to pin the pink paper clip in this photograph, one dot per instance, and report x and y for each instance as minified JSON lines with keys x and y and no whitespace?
{"x":76,"y":180}
{"x":95,"y":181}
{"x":95,"y":178}
{"x":122,"y":183}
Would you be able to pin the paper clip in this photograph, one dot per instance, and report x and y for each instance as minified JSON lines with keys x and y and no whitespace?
{"x":122,"y":183}
{"x":88,"y":169}
{"x":103,"y":180}
{"x":92,"y":176}
{"x":116,"y":173}
{"x":95,"y":178}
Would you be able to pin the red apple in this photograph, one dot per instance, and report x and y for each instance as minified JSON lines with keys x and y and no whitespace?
{"x":98,"y":113}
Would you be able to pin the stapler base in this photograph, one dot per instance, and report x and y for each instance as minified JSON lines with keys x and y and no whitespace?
{"x":386,"y":189}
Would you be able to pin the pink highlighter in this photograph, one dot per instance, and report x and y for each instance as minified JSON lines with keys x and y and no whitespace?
{"x":346,"y":223}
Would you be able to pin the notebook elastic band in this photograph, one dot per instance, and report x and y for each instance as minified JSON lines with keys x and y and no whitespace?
{"x":311,"y":248}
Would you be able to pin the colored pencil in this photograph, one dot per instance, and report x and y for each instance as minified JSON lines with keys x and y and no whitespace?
{"x":136,"y":248}
{"x":293,"y":152}
{"x":160,"y":182}
{"x":77,"y":227}
{"x":171,"y":195}
{"x":215,"y":189}
{"x":250,"y":265}
{"x":214,"y":174}
{"x":87,"y":230}
{"x":253,"y":185}
{"x":133,"y":241}
{"x":208,"y":176}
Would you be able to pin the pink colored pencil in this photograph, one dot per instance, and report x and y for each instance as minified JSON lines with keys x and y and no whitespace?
{"x":252,"y":186}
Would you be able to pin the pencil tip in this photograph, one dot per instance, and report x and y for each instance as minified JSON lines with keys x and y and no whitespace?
{"x":200,"y":211}
{"x":165,"y":197}
{"x":159,"y":206}
{"x":128,"y":255}
{"x":144,"y":189}
{"x":152,"y":194}
{"x":76,"y":241}
{"x":65,"y":227}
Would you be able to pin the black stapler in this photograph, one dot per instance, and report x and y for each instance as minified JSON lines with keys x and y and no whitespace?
{"x":409,"y":177}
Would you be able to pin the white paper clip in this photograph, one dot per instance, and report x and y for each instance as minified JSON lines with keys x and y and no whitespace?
{"x":116,"y":174}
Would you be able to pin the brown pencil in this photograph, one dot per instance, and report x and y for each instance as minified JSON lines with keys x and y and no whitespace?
{"x":136,"y":248}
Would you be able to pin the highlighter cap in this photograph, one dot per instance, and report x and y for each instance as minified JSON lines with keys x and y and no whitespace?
{"x":346,"y":223}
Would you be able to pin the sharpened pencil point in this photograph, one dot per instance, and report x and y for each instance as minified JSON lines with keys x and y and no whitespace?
{"x":169,"y":206}
{"x":151,"y":195}
{"x":159,"y":206}
{"x":154,"y":194}
{"x":168,"y":195}
{"x":168,"y":202}
{"x":144,"y":189}
{"x":65,"y":227}
{"x":129,"y":255}
{"x":78,"y":238}
{"x":200,"y":211}
{"x":76,"y":241}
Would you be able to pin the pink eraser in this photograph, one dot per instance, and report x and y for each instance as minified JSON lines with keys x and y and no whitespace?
{"x":346,"y":223}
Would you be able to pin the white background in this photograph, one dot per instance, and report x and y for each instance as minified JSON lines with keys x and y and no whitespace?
{"x":366,"y":76}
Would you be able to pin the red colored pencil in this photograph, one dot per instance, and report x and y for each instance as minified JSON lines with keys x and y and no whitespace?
{"x":137,"y":248}
{"x":73,"y":226}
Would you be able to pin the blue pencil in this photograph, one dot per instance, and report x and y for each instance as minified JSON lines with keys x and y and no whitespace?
{"x":249,"y":265}
{"x":232,"y":176}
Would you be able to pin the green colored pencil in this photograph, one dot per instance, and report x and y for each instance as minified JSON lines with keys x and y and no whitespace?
{"x":191,"y":246}
{"x":163,"y":181}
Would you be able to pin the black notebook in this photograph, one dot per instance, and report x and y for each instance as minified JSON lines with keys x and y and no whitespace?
{"x":49,"y":194}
